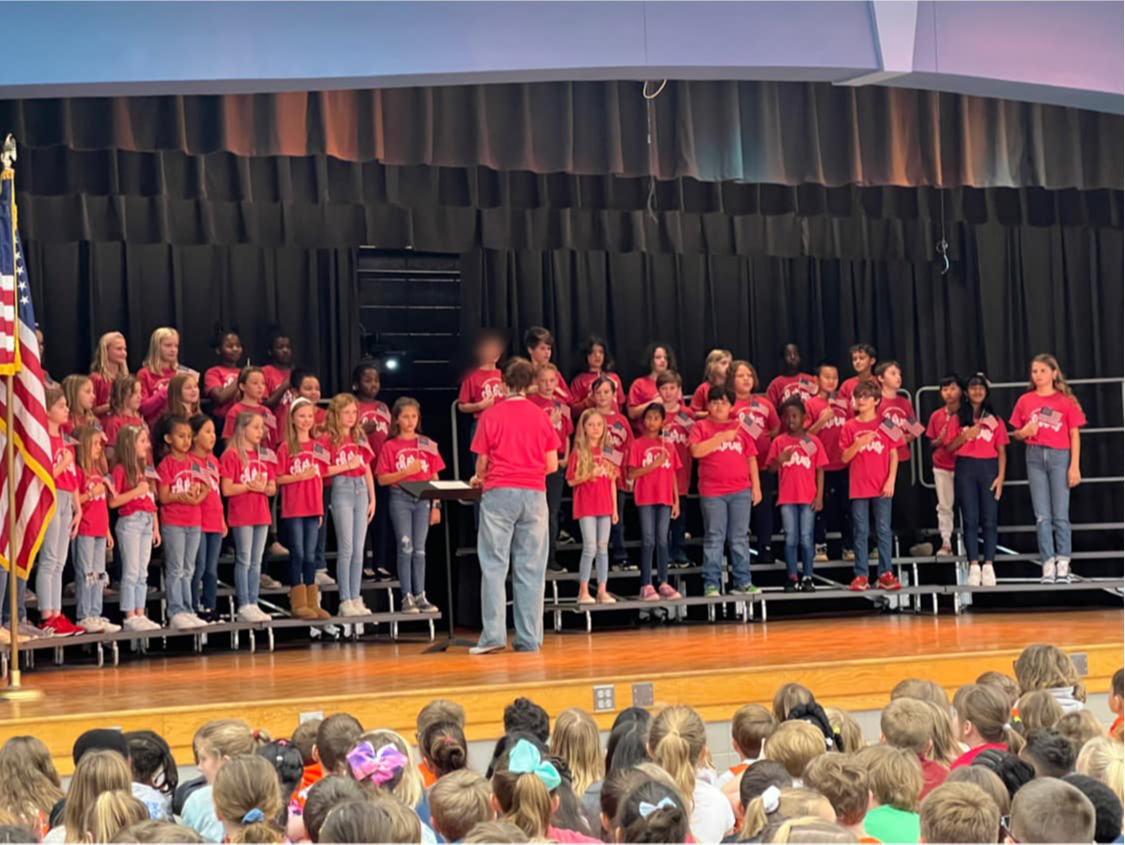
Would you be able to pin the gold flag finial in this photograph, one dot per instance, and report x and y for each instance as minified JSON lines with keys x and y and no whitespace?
{"x":9,"y":154}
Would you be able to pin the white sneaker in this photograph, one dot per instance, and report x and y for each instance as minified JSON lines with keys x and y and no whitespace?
{"x":182,"y":622}
{"x":135,"y":623}
{"x":974,"y":575}
{"x":1062,"y":571}
{"x":92,"y":625}
{"x":107,"y":626}
{"x":1048,"y":572}
{"x":367,"y":611}
{"x":352,"y":607}
{"x":199,"y":623}
{"x":945,"y":551}
{"x":987,"y":576}
{"x":147,"y":624}
{"x":249,"y":613}
{"x":323,"y":579}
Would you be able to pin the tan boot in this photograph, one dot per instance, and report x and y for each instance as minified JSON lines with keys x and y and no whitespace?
{"x":298,"y":603}
{"x":312,"y":596}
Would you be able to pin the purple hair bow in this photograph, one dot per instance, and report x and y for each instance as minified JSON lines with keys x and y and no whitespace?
{"x":376,"y":766}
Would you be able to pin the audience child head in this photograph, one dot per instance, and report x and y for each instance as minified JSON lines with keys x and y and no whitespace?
{"x":627,"y":745}
{"x":507,"y":742}
{"x":795,"y":744}
{"x":323,"y":796}
{"x":847,"y":728}
{"x":750,"y":728}
{"x":987,"y":780}
{"x":982,"y":717}
{"x":247,"y":799}
{"x":677,"y":742}
{"x":894,"y":776}
{"x":759,"y":792}
{"x":1117,"y":696}
{"x":154,"y":831}
{"x":809,"y":830}
{"x":920,"y":689}
{"x":908,"y":723}
{"x":814,"y":714}
{"x":406,"y":827}
{"x":443,"y":748}
{"x":525,"y":715}
{"x":97,"y":772}
{"x":1011,"y":770}
{"x":1005,"y":683}
{"x":1103,"y":759}
{"x":29,"y":782}
{"x":651,"y":811}
{"x":381,"y":763}
{"x":1051,"y":810}
{"x":577,"y":741}
{"x":459,"y":801}
{"x":219,"y":741}
{"x":152,"y":761}
{"x":287,"y":762}
{"x":567,"y":812}
{"x":959,"y":812}
{"x":787,"y":697}
{"x":523,"y":784}
{"x":439,"y":710}
{"x":843,"y":781}
{"x":1049,"y":752}
{"x":798,"y":801}
{"x":304,"y":740}
{"x":111,"y":813}
{"x":1037,"y":709}
{"x":1048,"y":667}
{"x":1079,"y":727}
{"x":495,"y":832}
{"x":1107,"y":807}
{"x":335,"y":737}
{"x":945,"y":746}
{"x":358,"y":822}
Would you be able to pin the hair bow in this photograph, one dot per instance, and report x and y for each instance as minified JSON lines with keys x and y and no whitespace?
{"x":253,"y":816}
{"x":647,"y":809}
{"x":525,"y":759}
{"x":376,"y":766}
{"x":771,"y":799}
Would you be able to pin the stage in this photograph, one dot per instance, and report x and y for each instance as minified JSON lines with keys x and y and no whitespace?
{"x":850,"y":662}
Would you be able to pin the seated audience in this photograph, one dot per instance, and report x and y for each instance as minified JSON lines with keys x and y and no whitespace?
{"x":1051,"y":810}
{"x":958,"y":812}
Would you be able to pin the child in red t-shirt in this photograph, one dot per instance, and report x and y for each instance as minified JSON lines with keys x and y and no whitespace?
{"x":80,"y":400}
{"x":728,"y":486}
{"x":212,"y":522}
{"x":868,"y":443}
{"x":408,"y":455}
{"x":863,"y":362}
{"x":757,"y":410}
{"x":540,"y":345}
{"x":899,"y":410}
{"x":68,"y":514}
{"x":599,"y":362}
{"x":133,"y":495}
{"x":940,"y":430}
{"x":220,"y":382}
{"x":792,"y":382}
{"x":1047,"y":419}
{"x":160,"y":364}
{"x":799,"y":460}
{"x":619,"y":435}
{"x":183,"y":395}
{"x":124,"y":409}
{"x":643,"y":391}
{"x":678,"y":423}
{"x":593,"y":468}
{"x":301,"y":461}
{"x":825,"y":415}
{"x":93,"y":533}
{"x":546,"y":397}
{"x":375,"y":420}
{"x":111,"y":362}
{"x":716,"y":370}
{"x":279,"y":370}
{"x":181,"y":489}
{"x":252,"y":390}
{"x":653,"y":464}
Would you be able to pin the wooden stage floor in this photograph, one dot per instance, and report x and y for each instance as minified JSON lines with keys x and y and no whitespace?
{"x":851,"y":662}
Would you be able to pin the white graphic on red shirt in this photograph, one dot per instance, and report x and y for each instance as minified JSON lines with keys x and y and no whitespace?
{"x":403,"y":459}
{"x":617,"y":435}
{"x":731,"y":446}
{"x":182,"y":482}
{"x":91,"y":483}
{"x":653,"y":455}
{"x":676,"y":435}
{"x":376,"y":415}
{"x":303,"y":463}
{"x":799,"y":459}
{"x":875,"y":444}
{"x":345,"y":455}
{"x":251,"y":472}
{"x":897,"y":417}
{"x":794,"y":389}
{"x":492,"y":390}
{"x":985,"y":435}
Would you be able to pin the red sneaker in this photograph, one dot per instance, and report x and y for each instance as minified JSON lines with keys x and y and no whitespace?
{"x":61,"y":626}
{"x":859,"y":584}
{"x":887,"y":581}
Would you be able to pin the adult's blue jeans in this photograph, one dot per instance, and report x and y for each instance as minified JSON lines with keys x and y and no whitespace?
{"x":726,"y":518}
{"x":798,"y":522}
{"x":1050,"y":499}
{"x":972,"y":480}
{"x":861,"y":530}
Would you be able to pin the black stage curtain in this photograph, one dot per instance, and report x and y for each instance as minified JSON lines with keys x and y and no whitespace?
{"x":786,"y":133}
{"x":84,"y":289}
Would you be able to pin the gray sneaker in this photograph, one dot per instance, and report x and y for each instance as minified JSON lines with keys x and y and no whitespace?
{"x":409,"y":605}
{"x":1048,"y":576}
{"x":423,"y":604}
{"x":1062,"y":571}
{"x":486,"y":649}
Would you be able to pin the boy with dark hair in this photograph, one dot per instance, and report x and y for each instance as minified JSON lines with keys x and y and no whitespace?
{"x":1107,"y":807}
{"x":1051,"y":753}
{"x":540,"y":344}
{"x":525,"y":715}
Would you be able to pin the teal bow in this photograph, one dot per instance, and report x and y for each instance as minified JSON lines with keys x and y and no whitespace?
{"x":646,"y":809}
{"x":525,"y":759}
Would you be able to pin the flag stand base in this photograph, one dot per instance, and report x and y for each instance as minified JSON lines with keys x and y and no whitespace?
{"x":15,"y":692}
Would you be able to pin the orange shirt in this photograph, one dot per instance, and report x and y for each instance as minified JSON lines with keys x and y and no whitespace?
{"x":1116,"y":726}
{"x":428,"y":777}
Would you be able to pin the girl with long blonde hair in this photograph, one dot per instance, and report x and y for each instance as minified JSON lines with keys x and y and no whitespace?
{"x":247,"y":797}
{"x":80,"y":399}
{"x":716,"y":370}
{"x":111,"y":362}
{"x":677,"y":742}
{"x":93,"y":536}
{"x":576,"y":740}
{"x":96,"y":773}
{"x":247,"y":472}
{"x":29,"y":784}
{"x":592,"y":473}
{"x":133,"y":496}
{"x":124,"y":408}
{"x":1047,"y":419}
{"x":161,"y":363}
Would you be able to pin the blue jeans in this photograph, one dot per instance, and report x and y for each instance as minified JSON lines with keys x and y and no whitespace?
{"x":726,"y":518}
{"x":134,"y":546}
{"x":798,"y":522}
{"x":595,"y":546}
{"x":205,"y":579}
{"x":654,"y":538}
{"x":53,"y":552}
{"x":181,"y":544}
{"x":349,"y":520}
{"x":249,"y":545}
{"x":861,"y":529}
{"x":1050,"y":499}
{"x":972,"y":479}
{"x":301,"y":534}
{"x":411,"y":520}
{"x":513,"y":524}
{"x":677,"y":537}
{"x":89,"y":575}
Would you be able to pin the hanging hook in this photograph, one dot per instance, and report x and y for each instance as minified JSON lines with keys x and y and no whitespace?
{"x":943,"y":244}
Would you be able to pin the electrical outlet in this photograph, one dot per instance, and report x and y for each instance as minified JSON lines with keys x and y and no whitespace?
{"x":1081,"y":663}
{"x":310,"y":716}
{"x":605,"y":699}
{"x":643,"y":695}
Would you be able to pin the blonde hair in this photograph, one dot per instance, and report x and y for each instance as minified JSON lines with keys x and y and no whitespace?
{"x":894,"y":776}
{"x":843,"y":781}
{"x":458,"y":801}
{"x":409,"y":787}
{"x":1103,"y":759}
{"x":1059,"y":380}
{"x":907,"y":723}
{"x":155,"y":831}
{"x":238,"y":435}
{"x":332,"y":423}
{"x":494,"y":832}
{"x":584,"y":450}
{"x":987,"y":710}
{"x":987,"y":780}
{"x":844,"y":724}
{"x":224,"y":738}
{"x":120,"y":393}
{"x":86,"y":435}
{"x":946,"y":748}
{"x":794,"y":745}
{"x":714,"y":358}
{"x":29,"y":783}
{"x":1005,"y":683}
{"x":920,"y":689}
{"x":176,"y":404}
{"x":291,"y":428}
{"x":71,"y":385}
{"x":125,"y":454}
{"x":100,"y":364}
{"x":97,"y":772}
{"x":677,"y":742}
{"x":801,"y":801}
{"x":751,"y":726}
{"x":244,"y":784}
{"x":111,"y":813}
{"x":959,"y":812}
{"x":152,"y":357}
{"x":789,"y":696}
{"x":576,"y":739}
{"x":811,"y":830}
{"x":1079,"y":727}
{"x":1044,"y":666}
{"x":1038,"y":709}
{"x":523,"y":799}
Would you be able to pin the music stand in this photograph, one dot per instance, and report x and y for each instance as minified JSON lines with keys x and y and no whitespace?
{"x":445,"y":491}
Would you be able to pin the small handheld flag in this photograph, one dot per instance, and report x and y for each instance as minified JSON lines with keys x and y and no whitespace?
{"x":837,"y":401}
{"x":319,"y":453}
{"x":69,"y":440}
{"x":270,"y":421}
{"x":198,"y":473}
{"x":107,"y":480}
{"x":150,"y":472}
{"x":808,"y":445}
{"x":751,"y":426}
{"x":892,"y":431}
{"x":615,"y":456}
{"x":428,"y":446}
{"x":914,"y":427}
{"x":187,"y":370}
{"x":267,"y":455}
{"x":1049,"y":414}
{"x":806,"y":384}
{"x":989,"y":421}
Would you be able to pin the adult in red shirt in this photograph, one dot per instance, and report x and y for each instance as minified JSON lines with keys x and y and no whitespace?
{"x":658,"y":358}
{"x":516,"y":450}
{"x":1047,"y":419}
{"x":728,"y":487}
{"x":791,"y":382}
{"x":598,"y":363}
{"x":825,"y":415}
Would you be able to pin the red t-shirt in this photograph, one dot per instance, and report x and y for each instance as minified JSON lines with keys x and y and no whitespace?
{"x":782,"y":387}
{"x":301,"y":498}
{"x":677,"y":430}
{"x":95,"y":510}
{"x":829,"y":433}
{"x":727,"y":469}
{"x":985,"y":444}
{"x":943,"y":427}
{"x":898,"y":409}
{"x":378,"y":413}
{"x":620,"y":435}
{"x":247,"y":508}
{"x":699,"y":398}
{"x":797,"y":476}
{"x":68,"y":479}
{"x":342,"y":453}
{"x":967,"y":758}
{"x":562,"y":391}
{"x":275,"y":377}
{"x":593,"y":497}
{"x":121,"y":484}
{"x":481,"y":384}
{"x":564,"y":427}
{"x":933,"y":776}
{"x":398,"y":452}
{"x":515,"y":436}
{"x":654,"y":488}
{"x":870,"y":466}
{"x":580,"y":388}
{"x":271,"y":434}
{"x":220,"y":376}
{"x":642,"y":391}
{"x":211,"y":508}
{"x":154,"y":392}
{"x":761,"y":411}
{"x":114,"y":424}
{"x":102,"y":389}
{"x":178,"y":475}
{"x":1056,"y":415}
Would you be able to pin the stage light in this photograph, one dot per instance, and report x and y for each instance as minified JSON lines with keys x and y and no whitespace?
{"x":391,"y":364}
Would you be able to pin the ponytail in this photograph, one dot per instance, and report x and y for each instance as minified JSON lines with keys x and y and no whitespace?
{"x":677,"y":740}
{"x":756,"y":813}
{"x":530,"y":809}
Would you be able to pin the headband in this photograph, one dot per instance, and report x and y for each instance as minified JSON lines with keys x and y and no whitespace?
{"x":526,"y":759}
{"x":376,"y":766}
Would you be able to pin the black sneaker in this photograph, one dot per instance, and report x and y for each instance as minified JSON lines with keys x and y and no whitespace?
{"x":617,"y":566}
{"x":790,"y":585}
{"x":807,"y":585}
{"x":555,"y":566}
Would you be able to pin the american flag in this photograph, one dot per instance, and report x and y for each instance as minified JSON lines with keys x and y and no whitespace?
{"x":320,"y":453}
{"x":914,"y":427}
{"x":426,"y":445}
{"x":19,"y":356}
{"x":808,"y":445}
{"x":751,"y":426}
{"x":989,"y":421}
{"x":891,"y":429}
